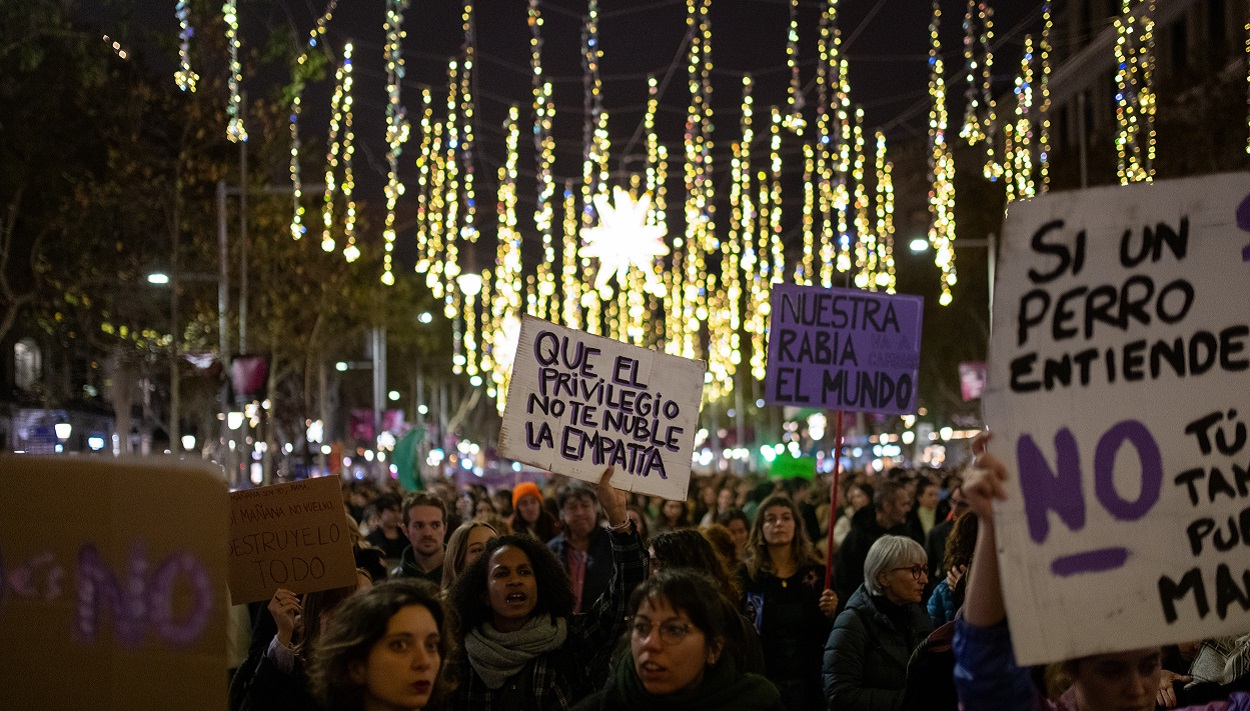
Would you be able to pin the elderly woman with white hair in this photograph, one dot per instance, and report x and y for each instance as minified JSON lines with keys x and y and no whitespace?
{"x":865,"y":666}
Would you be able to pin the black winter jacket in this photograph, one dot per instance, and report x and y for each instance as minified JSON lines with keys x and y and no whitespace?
{"x":866,"y":657}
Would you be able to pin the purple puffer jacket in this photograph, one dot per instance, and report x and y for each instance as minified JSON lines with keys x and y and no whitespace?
{"x":988,"y":679}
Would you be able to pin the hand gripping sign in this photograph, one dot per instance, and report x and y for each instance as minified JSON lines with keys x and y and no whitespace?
{"x":292,"y":536}
{"x":1119,"y":393}
{"x":578,"y":404}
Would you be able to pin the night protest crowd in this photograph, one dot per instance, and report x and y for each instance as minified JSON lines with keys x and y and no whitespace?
{"x":572,"y":596}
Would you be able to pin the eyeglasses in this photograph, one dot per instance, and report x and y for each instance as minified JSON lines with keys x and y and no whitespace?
{"x":671,"y":632}
{"x":916,"y":571}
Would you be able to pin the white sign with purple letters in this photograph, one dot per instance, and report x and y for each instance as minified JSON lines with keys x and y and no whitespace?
{"x":579,"y":403}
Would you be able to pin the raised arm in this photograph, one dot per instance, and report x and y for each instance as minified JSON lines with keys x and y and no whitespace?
{"x":604,"y":624}
{"x":986,"y":674}
{"x":983,"y":606}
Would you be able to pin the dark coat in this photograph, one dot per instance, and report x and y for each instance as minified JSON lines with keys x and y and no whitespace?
{"x":866,"y":657}
{"x":598,"y":563}
{"x":935,"y":548}
{"x":931,"y":674}
{"x":407,"y":568}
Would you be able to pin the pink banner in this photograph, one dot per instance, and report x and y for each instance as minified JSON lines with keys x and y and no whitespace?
{"x":971,"y":380}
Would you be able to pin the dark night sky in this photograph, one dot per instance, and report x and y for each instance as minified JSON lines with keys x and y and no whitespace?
{"x":886,"y":41}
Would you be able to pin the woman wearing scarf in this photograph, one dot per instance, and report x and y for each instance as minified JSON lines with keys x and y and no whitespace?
{"x":520,"y":646}
{"x":685,"y":653}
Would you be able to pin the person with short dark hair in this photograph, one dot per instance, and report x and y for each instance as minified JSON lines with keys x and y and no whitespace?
{"x":520,"y":645}
{"x":688,"y":549}
{"x":384,"y":649}
{"x":924,"y":511}
{"x":682,"y":653}
{"x":935,"y":542}
{"x":739,"y":526}
{"x":503,"y":503}
{"x":887,"y":516}
{"x":583,"y":549}
{"x":425,"y":525}
{"x":388,"y":536}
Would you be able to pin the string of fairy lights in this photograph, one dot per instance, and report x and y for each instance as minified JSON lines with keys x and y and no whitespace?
{"x":185,"y":77}
{"x":235,"y":130}
{"x":340,"y":150}
{"x":397,"y":128}
{"x":298,"y":75}
{"x":942,"y":162}
{"x":1135,"y":99}
{"x":980,"y":118}
{"x":1017,"y":135}
{"x":542,"y":297}
{"x":709,"y":296}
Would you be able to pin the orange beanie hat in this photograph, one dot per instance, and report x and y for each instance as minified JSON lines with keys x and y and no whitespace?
{"x":525,"y":488}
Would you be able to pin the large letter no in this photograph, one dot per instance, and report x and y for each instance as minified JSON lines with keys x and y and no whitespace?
{"x":1046,"y":490}
{"x":1151,"y":470}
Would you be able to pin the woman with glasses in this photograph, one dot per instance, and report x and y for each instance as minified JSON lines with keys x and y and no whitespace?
{"x":684,"y":649}
{"x":883,"y":623}
{"x":783,"y":584}
{"x":688,"y":549}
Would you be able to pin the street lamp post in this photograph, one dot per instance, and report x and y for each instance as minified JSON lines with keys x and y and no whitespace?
{"x":175,"y":351}
{"x":990,"y":244}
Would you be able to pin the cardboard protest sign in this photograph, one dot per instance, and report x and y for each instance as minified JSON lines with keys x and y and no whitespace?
{"x":579,"y":403}
{"x":1119,"y":395}
{"x":291,"y":536}
{"x":843,"y":349}
{"x":112,"y":584}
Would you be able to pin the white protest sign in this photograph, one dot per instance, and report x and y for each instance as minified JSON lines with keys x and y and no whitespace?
{"x":579,"y":403}
{"x":1119,"y":397}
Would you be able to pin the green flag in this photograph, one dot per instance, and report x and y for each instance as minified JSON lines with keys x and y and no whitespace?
{"x":405,"y":458}
{"x":788,"y":467}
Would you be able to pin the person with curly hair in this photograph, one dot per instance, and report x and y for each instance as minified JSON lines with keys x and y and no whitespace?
{"x":383,"y":650}
{"x":783,"y":594}
{"x":944,"y":602}
{"x":519,"y":643}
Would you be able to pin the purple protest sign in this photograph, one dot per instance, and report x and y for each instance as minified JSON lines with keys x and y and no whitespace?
{"x":843,"y":349}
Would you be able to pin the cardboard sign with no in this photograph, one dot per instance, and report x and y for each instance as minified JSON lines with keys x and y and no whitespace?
{"x":291,"y":536}
{"x":112,"y":584}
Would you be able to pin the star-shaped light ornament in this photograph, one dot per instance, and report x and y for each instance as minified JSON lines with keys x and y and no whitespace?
{"x":623,"y":238}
